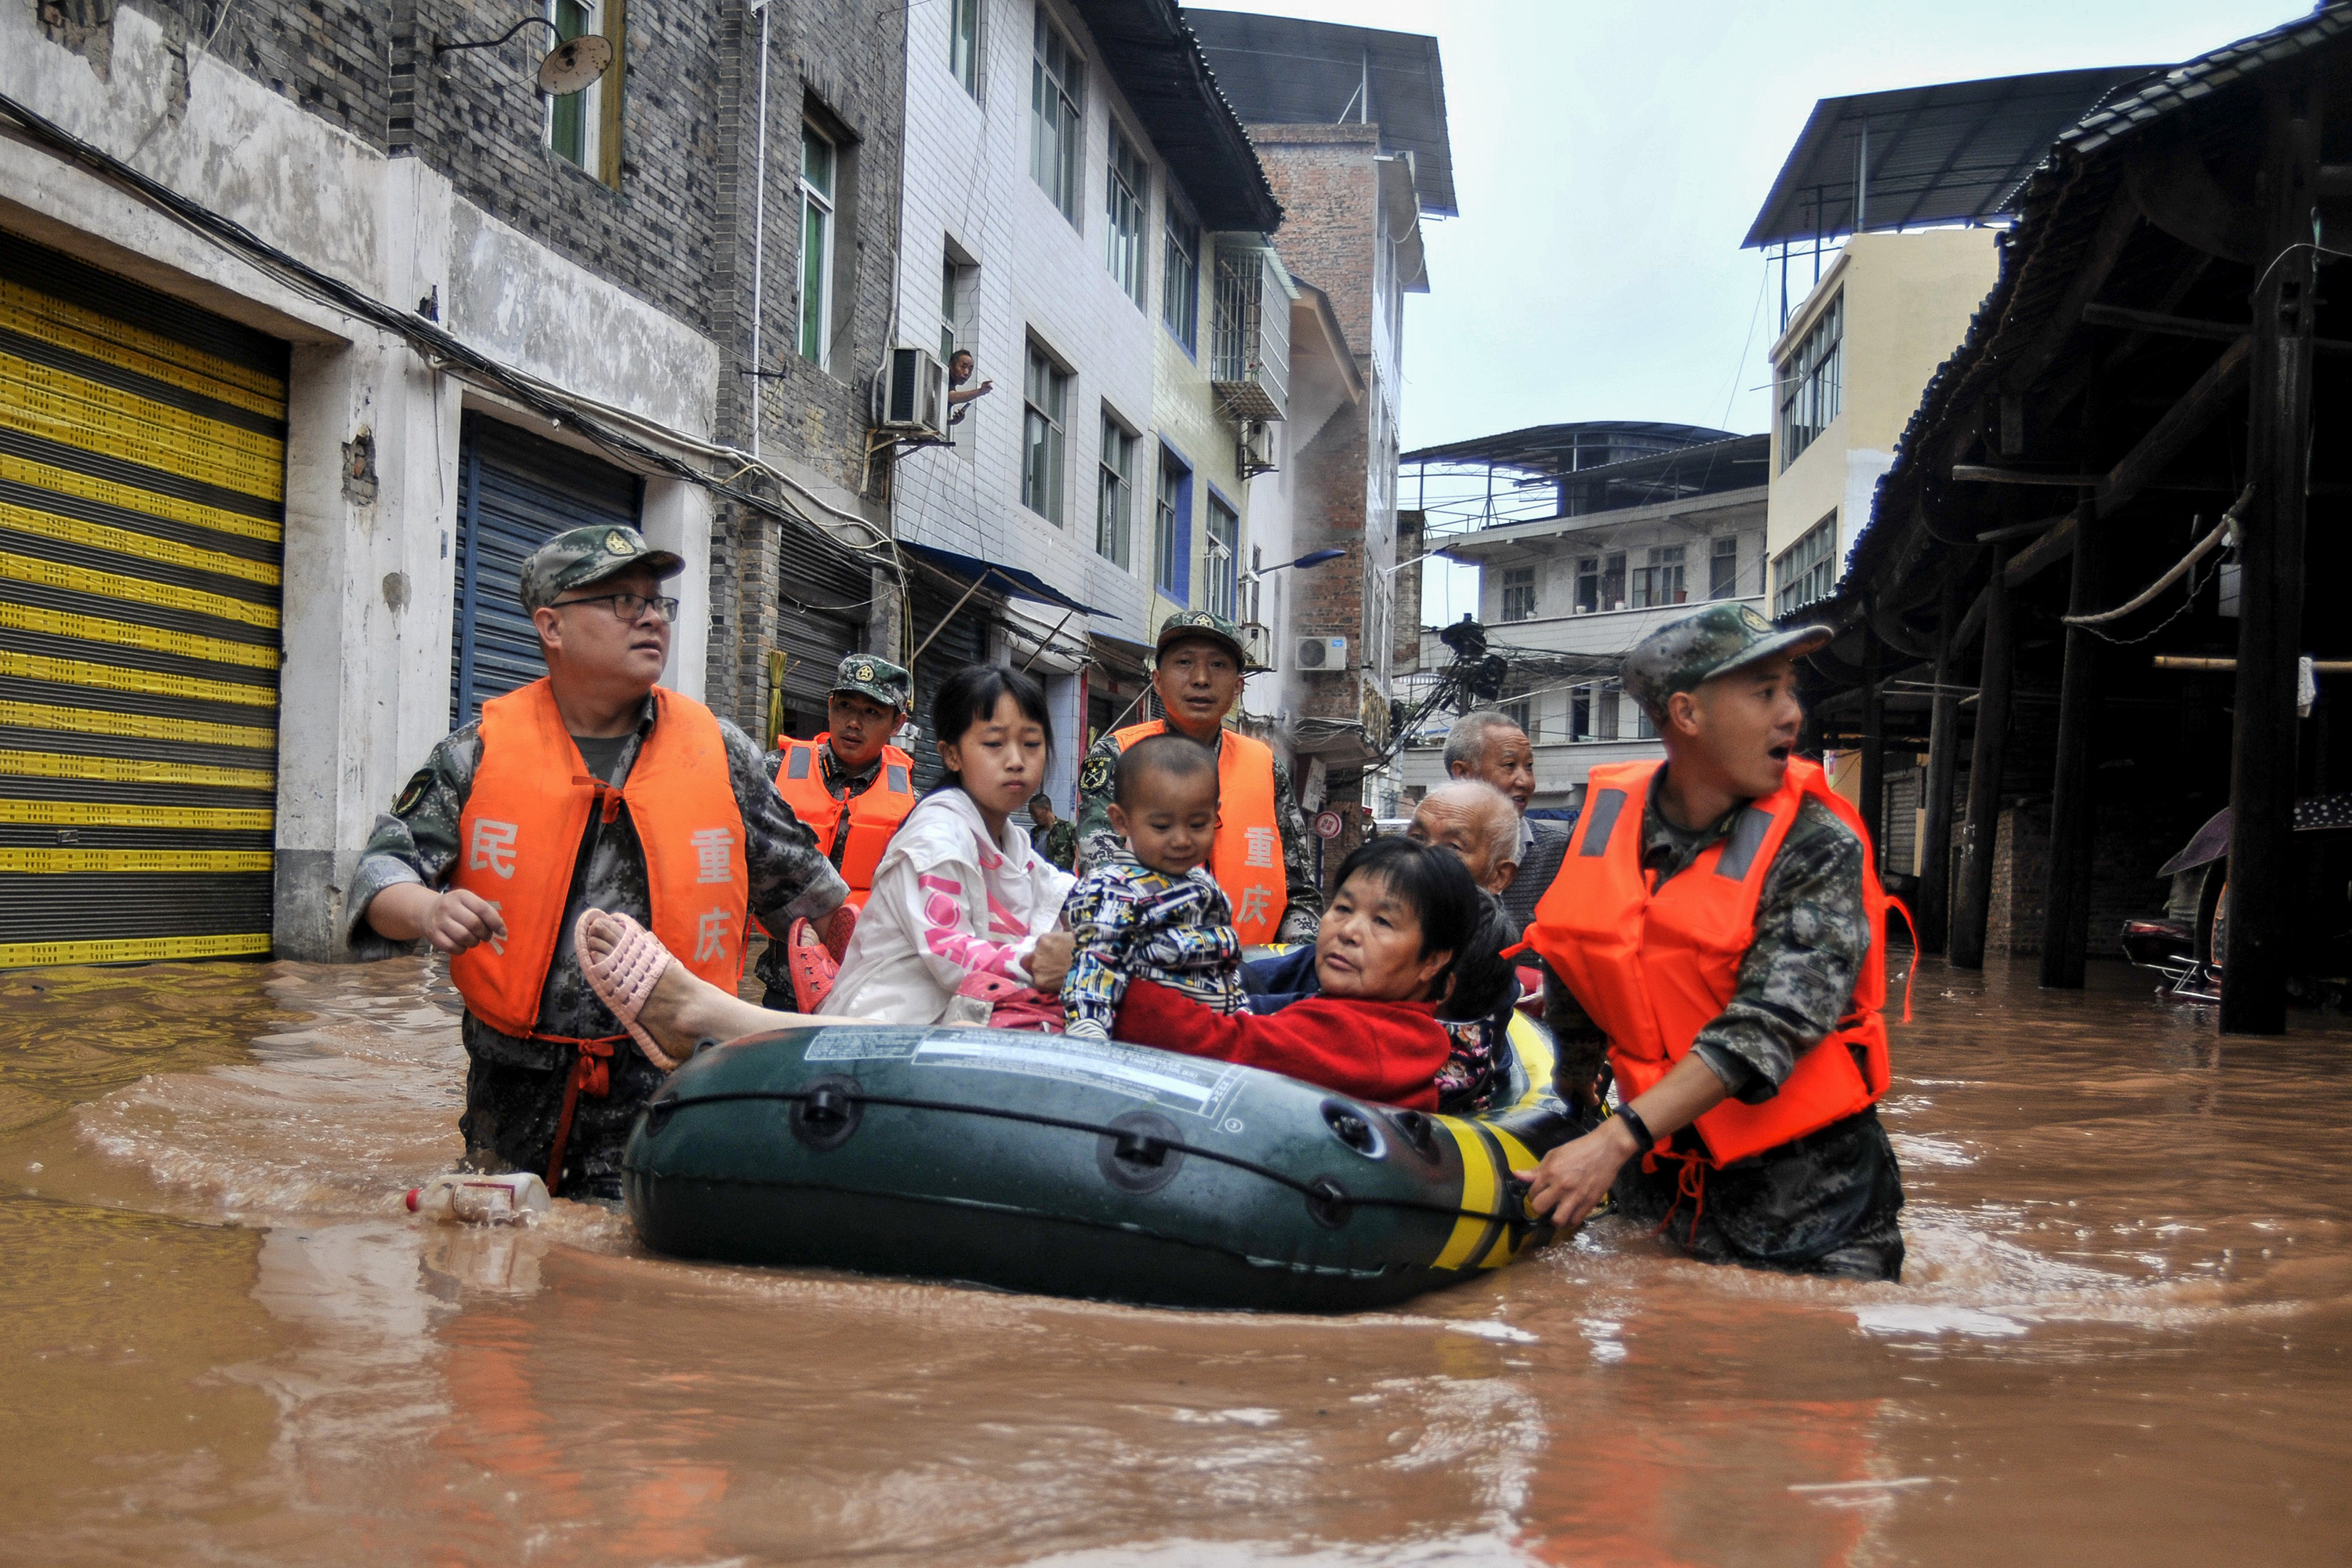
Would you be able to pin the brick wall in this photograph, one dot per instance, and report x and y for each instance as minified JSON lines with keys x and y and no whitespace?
{"x":2130,"y":843}
{"x":837,"y":65}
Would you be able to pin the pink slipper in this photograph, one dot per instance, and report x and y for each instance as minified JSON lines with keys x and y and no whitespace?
{"x":837,"y":930}
{"x":810,"y":962}
{"x":624,"y":977}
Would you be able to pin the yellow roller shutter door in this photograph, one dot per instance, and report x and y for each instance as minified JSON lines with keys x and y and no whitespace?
{"x":142,"y":464}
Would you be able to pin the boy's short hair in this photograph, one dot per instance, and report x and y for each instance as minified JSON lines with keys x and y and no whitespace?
{"x":1177,"y":756}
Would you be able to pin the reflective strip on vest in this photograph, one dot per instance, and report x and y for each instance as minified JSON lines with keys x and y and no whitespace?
{"x":1652,"y":969}
{"x":1246,"y":860}
{"x":875,"y":811}
{"x":520,"y":833}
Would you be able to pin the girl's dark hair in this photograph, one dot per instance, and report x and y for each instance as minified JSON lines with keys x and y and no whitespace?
{"x":969,"y":697}
{"x":1454,"y":916}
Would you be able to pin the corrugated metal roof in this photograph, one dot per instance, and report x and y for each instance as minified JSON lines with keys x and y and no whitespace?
{"x":1151,"y":54}
{"x":1952,"y":152}
{"x":1564,"y":448}
{"x":1281,"y":70}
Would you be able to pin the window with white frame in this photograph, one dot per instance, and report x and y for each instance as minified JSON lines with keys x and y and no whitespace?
{"x":819,"y":159}
{"x":1180,"y":282}
{"x":1114,"y":494}
{"x":1225,"y":557}
{"x":963,"y":43}
{"x":1580,"y":713}
{"x":1521,"y":713}
{"x":1604,"y":712}
{"x":1601,"y":582}
{"x":1124,"y":184}
{"x":575,"y":129}
{"x":1723,"y":568}
{"x":1812,"y":381}
{"x":1807,"y":570}
{"x":1659,"y":579}
{"x":1518,"y":593}
{"x":1056,"y":100}
{"x":1046,"y":396}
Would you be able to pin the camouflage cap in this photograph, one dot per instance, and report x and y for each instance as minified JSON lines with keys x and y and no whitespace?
{"x":875,"y":680}
{"x":1681,"y":656}
{"x":1188,"y":624}
{"x":578,"y":556}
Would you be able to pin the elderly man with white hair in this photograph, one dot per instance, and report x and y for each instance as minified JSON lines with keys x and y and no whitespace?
{"x":1486,"y":746}
{"x":1478,"y":823}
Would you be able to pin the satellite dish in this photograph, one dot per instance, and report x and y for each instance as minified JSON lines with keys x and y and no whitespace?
{"x":573,"y":64}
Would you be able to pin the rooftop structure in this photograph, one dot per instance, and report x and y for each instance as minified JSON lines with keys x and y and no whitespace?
{"x":1281,"y":70}
{"x":1555,"y":470}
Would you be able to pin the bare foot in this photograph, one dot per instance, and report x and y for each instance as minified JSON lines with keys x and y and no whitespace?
{"x":683,"y":1010}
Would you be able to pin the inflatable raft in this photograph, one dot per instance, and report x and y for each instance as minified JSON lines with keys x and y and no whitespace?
{"x":1082,"y":1168}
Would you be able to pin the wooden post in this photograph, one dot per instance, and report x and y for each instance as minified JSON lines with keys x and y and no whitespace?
{"x":2073,"y":821}
{"x":1933,"y":914}
{"x":2265,"y":880}
{"x":1874,"y":746}
{"x":1978,"y":838}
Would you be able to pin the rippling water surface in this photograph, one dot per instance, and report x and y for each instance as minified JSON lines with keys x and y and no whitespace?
{"x":2123,"y":1337}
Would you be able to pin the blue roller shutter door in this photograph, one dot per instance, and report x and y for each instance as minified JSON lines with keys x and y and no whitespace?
{"x":516,"y":491}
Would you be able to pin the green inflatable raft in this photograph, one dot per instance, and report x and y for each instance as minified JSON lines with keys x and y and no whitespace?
{"x":1082,"y":1168}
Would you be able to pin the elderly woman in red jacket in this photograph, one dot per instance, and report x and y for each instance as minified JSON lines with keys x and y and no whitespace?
{"x":1402,"y":937}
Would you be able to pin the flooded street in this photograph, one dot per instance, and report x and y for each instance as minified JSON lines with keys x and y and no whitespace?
{"x":2122,"y":1338}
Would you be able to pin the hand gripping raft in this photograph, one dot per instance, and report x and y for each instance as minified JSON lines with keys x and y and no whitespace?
{"x":1080,"y":1168}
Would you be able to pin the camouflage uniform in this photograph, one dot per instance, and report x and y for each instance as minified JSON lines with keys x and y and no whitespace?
{"x":1303,"y":901}
{"x":879,"y":682}
{"x":514,"y":1088}
{"x":1059,"y":844}
{"x":1826,"y":1203}
{"x":1302,"y":909}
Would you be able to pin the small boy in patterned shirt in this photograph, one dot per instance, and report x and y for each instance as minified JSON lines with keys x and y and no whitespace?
{"x":1153,"y":911}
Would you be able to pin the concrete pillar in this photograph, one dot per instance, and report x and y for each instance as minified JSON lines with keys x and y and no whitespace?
{"x":676,"y":516}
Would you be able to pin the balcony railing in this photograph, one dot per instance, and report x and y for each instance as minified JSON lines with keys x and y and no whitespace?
{"x":1249,"y":340}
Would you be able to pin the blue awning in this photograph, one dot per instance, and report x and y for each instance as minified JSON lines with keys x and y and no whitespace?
{"x":1007,"y":580}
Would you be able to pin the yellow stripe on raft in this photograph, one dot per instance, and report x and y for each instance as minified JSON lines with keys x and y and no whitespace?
{"x":1479,"y":1185}
{"x":138,"y":950}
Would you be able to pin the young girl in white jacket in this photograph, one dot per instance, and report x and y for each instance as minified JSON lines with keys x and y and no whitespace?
{"x":962,"y":916}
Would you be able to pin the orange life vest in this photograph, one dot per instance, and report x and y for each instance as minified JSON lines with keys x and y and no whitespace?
{"x":874,"y":813}
{"x":1246,"y":858}
{"x":521,"y":829}
{"x":1654,"y":967}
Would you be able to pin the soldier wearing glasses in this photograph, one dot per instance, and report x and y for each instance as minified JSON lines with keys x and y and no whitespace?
{"x":590,"y":788}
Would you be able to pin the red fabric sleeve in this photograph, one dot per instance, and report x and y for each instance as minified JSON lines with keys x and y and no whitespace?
{"x":1388,"y":1051}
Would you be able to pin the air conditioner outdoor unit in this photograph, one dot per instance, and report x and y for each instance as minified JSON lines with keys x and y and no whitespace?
{"x":917,"y":397}
{"x":1322,"y":655}
{"x":1257,"y":642}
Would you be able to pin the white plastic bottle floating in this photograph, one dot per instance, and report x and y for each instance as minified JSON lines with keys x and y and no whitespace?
{"x":469,"y":1199}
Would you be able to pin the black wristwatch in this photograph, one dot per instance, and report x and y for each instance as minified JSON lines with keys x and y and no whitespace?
{"x":1640,"y":1129}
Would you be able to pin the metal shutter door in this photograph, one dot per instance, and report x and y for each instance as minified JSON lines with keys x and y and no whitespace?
{"x":1901,"y":849}
{"x":515,"y":492}
{"x":823,"y":607}
{"x":142,"y":466}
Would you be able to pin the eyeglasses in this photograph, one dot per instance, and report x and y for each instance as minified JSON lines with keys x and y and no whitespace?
{"x":627,"y":608}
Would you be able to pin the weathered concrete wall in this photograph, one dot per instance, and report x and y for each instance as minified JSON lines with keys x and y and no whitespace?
{"x":368,"y":565}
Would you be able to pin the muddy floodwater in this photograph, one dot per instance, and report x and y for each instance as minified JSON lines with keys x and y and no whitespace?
{"x":2125,"y":1337}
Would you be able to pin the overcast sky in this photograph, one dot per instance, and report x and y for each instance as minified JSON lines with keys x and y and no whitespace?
{"x":1609,"y":158}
